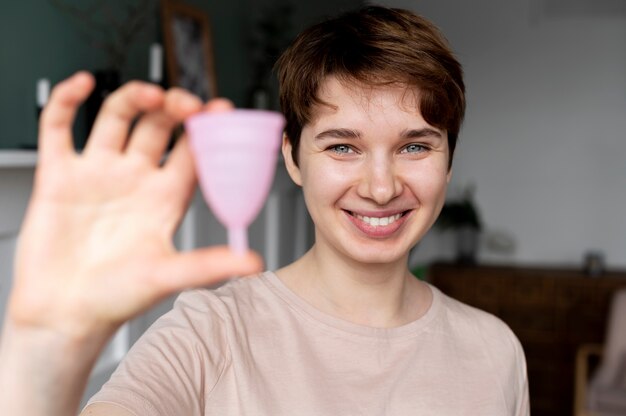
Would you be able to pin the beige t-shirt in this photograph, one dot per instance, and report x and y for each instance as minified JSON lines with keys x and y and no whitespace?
{"x":253,"y":347}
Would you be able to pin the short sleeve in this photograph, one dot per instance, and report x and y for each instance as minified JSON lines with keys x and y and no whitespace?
{"x":509,"y":364}
{"x":521,"y":375}
{"x":175,"y":364}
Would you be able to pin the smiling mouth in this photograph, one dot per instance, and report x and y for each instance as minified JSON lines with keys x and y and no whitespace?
{"x":378,"y":221}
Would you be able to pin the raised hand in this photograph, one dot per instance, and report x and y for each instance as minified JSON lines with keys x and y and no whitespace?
{"x":96,"y":246}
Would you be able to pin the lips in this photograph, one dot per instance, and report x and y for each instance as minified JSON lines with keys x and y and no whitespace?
{"x":381,"y":225}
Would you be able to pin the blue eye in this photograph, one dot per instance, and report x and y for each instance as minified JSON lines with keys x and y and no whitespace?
{"x":414,"y":148}
{"x":341,"y":148}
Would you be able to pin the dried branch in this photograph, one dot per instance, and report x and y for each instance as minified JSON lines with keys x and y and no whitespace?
{"x":111,"y":31}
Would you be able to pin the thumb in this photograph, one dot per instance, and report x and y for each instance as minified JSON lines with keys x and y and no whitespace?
{"x":204,"y":267}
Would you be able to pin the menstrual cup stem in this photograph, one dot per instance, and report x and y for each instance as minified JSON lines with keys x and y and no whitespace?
{"x":238,"y":240}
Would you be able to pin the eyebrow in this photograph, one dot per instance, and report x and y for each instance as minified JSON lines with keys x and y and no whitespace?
{"x":339,"y":134}
{"x":419,"y":133}
{"x":355,"y":134}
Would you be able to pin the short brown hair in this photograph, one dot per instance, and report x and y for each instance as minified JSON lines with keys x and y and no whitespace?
{"x":373,"y":46}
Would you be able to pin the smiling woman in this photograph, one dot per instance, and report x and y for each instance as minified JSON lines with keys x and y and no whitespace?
{"x":374,"y":101}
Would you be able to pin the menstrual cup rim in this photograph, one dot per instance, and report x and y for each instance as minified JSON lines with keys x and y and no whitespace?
{"x":251,"y":113}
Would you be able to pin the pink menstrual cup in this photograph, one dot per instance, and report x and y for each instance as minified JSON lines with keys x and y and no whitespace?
{"x":235,"y":154}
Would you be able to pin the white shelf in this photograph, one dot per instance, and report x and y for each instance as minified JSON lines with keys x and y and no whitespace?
{"x":18,"y":159}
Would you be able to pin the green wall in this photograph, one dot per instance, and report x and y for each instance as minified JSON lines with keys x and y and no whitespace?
{"x":37,"y":40}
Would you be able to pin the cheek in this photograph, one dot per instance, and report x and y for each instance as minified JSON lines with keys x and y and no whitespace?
{"x":324,"y":181}
{"x":429,"y":184}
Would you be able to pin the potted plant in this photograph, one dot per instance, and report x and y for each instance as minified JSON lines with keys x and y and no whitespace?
{"x":271,"y":34}
{"x":462,"y":216}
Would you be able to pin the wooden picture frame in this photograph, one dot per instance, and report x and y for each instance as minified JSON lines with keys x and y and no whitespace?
{"x":188,"y":49}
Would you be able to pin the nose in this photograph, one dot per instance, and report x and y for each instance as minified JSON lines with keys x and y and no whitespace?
{"x":380,"y":181}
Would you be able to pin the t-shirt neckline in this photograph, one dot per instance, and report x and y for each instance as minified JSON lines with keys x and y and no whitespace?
{"x":341,"y":326}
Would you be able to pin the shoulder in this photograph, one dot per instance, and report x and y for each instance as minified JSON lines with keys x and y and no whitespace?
{"x":219,"y":313}
{"x":219,"y":301}
{"x":191,"y":344}
{"x":200,"y":322}
{"x":484,"y":335}
{"x":479,"y":326}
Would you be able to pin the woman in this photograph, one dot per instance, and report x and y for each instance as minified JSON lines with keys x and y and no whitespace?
{"x":374,"y":101}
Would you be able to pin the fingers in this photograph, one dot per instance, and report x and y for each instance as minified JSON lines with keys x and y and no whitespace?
{"x":204,"y":267}
{"x":181,"y":104}
{"x":164,"y":110}
{"x":113,"y":122}
{"x":153,"y":132}
{"x":151,"y":136}
{"x":180,"y":166}
{"x":55,"y":130}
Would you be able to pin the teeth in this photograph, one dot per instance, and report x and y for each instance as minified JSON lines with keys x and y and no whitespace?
{"x":379,"y":221}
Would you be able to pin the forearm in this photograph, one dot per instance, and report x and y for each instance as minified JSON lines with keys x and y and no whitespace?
{"x":43,"y":373}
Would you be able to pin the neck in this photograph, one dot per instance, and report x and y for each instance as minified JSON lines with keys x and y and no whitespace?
{"x":376,"y":295}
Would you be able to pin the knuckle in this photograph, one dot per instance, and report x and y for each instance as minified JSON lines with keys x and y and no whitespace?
{"x":110,"y":104}
{"x":162,"y":121}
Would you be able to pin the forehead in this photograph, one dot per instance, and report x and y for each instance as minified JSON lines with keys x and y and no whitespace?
{"x":354,"y":103}
{"x":340,"y":96}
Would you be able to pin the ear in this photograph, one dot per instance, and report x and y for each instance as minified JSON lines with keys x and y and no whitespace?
{"x":449,"y":175}
{"x":290,"y":164}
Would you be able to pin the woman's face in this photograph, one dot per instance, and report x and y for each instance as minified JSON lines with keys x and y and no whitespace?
{"x":373,"y":172}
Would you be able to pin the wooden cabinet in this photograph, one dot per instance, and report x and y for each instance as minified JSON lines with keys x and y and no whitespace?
{"x":552,"y":312}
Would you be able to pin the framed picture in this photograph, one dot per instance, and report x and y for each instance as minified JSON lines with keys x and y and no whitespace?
{"x":188,"y":49}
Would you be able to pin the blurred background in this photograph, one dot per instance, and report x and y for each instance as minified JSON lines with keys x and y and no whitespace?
{"x":534,"y":228}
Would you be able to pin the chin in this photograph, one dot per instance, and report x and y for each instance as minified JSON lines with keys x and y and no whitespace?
{"x":372,"y":253}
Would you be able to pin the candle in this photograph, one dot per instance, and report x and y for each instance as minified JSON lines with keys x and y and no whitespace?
{"x":43,"y":92}
{"x":156,"y":63}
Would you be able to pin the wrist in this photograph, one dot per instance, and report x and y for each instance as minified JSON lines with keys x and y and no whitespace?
{"x":43,"y":371}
